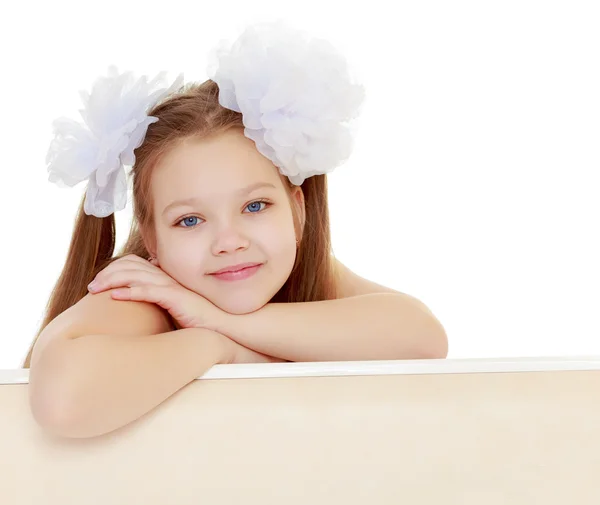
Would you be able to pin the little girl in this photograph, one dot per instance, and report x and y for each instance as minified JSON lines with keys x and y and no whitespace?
{"x":230,"y":239}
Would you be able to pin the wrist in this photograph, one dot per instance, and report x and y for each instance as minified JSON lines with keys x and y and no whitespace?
{"x":226,"y":323}
{"x":215,"y":344}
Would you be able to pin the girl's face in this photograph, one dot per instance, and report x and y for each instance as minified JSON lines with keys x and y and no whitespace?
{"x":218,"y":203}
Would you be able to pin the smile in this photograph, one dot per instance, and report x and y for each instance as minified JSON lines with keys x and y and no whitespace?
{"x":238,"y":275}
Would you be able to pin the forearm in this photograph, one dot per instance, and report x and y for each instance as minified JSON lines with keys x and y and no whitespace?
{"x":380,"y":326}
{"x":108,"y":381}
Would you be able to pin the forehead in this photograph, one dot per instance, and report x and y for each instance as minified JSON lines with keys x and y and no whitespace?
{"x":211,"y":168}
{"x":215,"y":154}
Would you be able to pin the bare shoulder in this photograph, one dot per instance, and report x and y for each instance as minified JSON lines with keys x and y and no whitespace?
{"x":350,"y":284}
{"x":100,"y":314}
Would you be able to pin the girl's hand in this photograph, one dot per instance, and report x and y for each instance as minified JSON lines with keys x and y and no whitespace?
{"x":143,"y":281}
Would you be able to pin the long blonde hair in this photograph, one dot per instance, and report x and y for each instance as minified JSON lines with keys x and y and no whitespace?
{"x":193,"y":111}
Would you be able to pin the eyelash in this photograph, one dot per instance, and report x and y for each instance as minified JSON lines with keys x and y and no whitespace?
{"x":179,"y":221}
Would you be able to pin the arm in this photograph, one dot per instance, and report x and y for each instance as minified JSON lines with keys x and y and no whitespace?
{"x":94,"y":384}
{"x":379,"y":326}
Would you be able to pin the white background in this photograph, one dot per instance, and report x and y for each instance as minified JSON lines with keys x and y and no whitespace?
{"x":473,"y":185}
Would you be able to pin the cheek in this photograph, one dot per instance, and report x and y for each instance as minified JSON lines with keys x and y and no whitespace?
{"x":279,"y":242}
{"x":281,"y":251}
{"x":185,"y":263}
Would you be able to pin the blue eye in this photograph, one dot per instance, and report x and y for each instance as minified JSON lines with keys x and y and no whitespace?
{"x":254,"y":207}
{"x":257,"y":203}
{"x":187,"y":220}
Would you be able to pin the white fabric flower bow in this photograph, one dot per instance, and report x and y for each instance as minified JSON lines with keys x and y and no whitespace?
{"x":295,"y":95}
{"x":294,"y":92}
{"x":116,"y":121}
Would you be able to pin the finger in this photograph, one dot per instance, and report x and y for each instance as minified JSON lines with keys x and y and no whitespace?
{"x":124,"y":278}
{"x":142,"y":261}
{"x":135,"y":258}
{"x":119,"y":266}
{"x":160,"y":295}
{"x":128,"y":262}
{"x":175,"y":301}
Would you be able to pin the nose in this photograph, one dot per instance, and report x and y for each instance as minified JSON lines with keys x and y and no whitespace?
{"x":229,"y":239}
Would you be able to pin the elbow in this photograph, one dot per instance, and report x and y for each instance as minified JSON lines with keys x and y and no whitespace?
{"x":438,"y":351}
{"x":52,"y":413}
{"x":50,"y":405}
{"x":436,"y":343}
{"x":432,"y":341}
{"x":64,"y":424}
{"x":52,"y":400}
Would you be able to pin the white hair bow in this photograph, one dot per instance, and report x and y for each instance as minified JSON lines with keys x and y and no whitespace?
{"x":296,"y":96}
{"x":115,"y":123}
{"x":294,"y":92}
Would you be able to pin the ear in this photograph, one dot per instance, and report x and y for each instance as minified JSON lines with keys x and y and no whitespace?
{"x":149,"y":241}
{"x":299,"y":202}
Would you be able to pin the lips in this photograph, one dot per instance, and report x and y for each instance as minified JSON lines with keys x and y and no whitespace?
{"x":239,"y":274}
{"x":235,"y":268}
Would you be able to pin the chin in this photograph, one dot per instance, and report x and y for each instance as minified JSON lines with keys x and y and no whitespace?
{"x":242,"y":306}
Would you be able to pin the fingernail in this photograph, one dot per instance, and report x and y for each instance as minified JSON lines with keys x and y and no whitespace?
{"x":92,"y":285}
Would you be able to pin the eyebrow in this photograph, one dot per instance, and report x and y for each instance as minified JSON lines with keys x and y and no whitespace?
{"x":239,"y":192}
